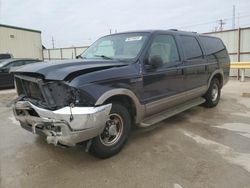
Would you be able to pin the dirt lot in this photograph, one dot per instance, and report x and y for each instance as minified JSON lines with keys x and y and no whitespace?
{"x":198,"y":148}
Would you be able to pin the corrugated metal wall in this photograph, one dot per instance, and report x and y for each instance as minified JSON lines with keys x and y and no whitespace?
{"x":22,"y":43}
{"x":237,"y":42}
{"x":63,"y":53}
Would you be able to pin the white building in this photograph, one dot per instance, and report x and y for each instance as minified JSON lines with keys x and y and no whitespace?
{"x":20,"y":42}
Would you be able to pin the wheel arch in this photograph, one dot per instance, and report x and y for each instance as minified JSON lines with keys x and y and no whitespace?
{"x":219,"y":75}
{"x":120,"y":95}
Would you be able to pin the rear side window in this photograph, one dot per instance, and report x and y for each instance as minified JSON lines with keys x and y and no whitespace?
{"x":215,"y":50}
{"x":212,"y":45}
{"x":191,"y":47}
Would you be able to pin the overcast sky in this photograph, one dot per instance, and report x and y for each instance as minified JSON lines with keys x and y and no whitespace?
{"x":80,"y":22}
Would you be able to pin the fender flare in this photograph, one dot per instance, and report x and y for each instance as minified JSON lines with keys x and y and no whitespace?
{"x":218,"y":71}
{"x":121,"y":91}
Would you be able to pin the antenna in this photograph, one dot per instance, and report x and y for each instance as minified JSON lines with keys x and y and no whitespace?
{"x":233,"y":18}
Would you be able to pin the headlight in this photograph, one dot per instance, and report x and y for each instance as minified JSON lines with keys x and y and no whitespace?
{"x":63,"y":95}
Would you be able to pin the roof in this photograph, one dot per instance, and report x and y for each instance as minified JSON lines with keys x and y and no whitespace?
{"x":158,"y":31}
{"x":20,"y":28}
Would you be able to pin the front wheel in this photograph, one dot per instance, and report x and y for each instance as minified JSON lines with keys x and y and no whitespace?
{"x":213,"y":94}
{"x":115,"y":133}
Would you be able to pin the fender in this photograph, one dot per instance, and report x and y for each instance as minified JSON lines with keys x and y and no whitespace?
{"x":220,"y":71}
{"x":140,"y":109}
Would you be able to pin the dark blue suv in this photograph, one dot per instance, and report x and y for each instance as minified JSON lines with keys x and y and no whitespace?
{"x":134,"y":78}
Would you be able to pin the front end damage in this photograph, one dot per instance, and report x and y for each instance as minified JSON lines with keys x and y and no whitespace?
{"x":61,"y":122}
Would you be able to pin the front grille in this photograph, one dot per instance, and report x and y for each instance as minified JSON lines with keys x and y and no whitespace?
{"x":29,"y":89}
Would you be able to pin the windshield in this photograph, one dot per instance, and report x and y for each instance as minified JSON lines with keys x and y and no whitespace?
{"x":125,"y":46}
{"x":2,"y":63}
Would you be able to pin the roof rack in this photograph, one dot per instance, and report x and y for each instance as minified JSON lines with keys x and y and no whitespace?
{"x":173,"y":29}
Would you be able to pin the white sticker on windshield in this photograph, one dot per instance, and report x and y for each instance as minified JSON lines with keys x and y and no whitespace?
{"x":133,"y":38}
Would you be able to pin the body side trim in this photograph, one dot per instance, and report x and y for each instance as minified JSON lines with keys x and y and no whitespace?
{"x":156,"y":106}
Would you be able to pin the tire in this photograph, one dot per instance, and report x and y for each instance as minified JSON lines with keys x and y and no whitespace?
{"x":213,"y":94}
{"x":108,"y":144}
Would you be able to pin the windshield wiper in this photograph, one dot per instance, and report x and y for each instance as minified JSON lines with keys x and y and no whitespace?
{"x":80,"y":57}
{"x":103,"y":56}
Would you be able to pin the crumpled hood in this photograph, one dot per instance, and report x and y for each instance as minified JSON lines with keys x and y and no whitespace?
{"x":60,"y":70}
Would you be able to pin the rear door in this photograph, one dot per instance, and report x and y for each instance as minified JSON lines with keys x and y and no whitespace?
{"x":163,"y":82}
{"x":195,"y":62}
{"x":8,"y":79}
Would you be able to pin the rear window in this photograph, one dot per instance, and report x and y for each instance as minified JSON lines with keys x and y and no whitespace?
{"x":212,"y":45}
{"x":191,"y":47}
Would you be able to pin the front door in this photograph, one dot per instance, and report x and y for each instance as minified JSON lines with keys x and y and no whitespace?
{"x":165,"y":82}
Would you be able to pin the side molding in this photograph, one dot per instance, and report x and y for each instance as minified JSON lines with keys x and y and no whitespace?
{"x":140,"y":109}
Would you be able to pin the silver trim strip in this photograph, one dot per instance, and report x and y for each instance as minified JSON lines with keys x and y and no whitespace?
{"x":162,"y":104}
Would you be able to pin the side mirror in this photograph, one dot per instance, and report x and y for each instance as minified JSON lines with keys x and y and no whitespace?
{"x":155,"y":61}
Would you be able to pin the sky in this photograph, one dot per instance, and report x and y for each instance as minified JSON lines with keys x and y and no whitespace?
{"x":81,"y":22}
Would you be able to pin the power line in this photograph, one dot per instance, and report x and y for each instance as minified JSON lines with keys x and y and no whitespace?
{"x":210,"y":22}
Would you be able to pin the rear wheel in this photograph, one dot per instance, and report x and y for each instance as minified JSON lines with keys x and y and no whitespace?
{"x":115,"y":133}
{"x":213,"y":94}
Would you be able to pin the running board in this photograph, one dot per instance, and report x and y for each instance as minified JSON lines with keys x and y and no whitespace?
{"x":171,"y":112}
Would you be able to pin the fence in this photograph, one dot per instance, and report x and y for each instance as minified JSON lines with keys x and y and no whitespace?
{"x":63,"y":53}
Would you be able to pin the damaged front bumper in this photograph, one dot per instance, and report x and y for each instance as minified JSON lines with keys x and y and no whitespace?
{"x":66,"y":126}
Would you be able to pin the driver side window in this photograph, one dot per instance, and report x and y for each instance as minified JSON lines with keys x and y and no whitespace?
{"x":164,"y":46}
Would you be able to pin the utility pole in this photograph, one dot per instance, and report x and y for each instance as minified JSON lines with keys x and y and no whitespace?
{"x":221,"y":23}
{"x":238,"y":20}
{"x":233,"y":18}
{"x":0,"y":10}
{"x":53,"y":42}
